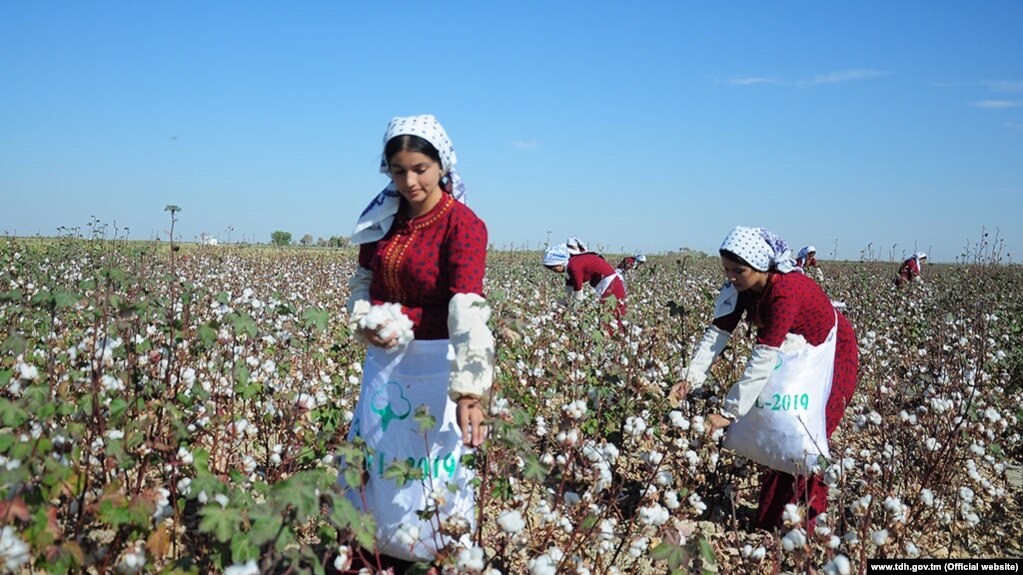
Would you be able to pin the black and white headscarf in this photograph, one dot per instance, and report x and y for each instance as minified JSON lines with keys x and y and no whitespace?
{"x":762,"y":250}
{"x":376,"y":219}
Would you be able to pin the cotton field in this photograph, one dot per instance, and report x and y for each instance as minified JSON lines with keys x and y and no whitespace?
{"x":184,"y":412}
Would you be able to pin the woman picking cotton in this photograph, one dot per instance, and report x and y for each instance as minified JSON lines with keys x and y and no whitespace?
{"x":582,"y":267}
{"x":416,"y":294}
{"x":790,"y":312}
{"x":911,"y":269}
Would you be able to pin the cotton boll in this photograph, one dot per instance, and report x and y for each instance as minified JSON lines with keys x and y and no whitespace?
{"x":838,"y":566}
{"x":792,"y":515}
{"x":678,"y":420}
{"x":794,"y":539}
{"x":388,"y":320}
{"x":471,"y":559}
{"x":511,"y":521}
{"x":407,"y":534}
{"x":927,"y":497}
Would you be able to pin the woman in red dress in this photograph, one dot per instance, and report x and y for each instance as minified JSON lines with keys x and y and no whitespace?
{"x":585,"y":267}
{"x":629,"y":263}
{"x":807,"y":257}
{"x":910,"y":269}
{"x":764,"y":285}
{"x":421,"y":248}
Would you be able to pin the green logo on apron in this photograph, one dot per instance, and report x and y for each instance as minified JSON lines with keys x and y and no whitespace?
{"x":390,"y":403}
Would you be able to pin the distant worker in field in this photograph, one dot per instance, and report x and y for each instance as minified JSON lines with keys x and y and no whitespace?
{"x":807,"y":259}
{"x":630,"y":263}
{"x":416,"y":293}
{"x":910,"y":270}
{"x":583,"y":267}
{"x":575,"y":246}
{"x":790,"y":311}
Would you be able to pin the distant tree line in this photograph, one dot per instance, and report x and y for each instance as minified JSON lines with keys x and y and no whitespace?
{"x":282,"y":238}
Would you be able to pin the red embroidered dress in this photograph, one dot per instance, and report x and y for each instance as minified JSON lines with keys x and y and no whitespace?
{"x":592,"y":269}
{"x":424,"y":261}
{"x":794,"y":303}
{"x":810,"y":262}
{"x":908,"y":271}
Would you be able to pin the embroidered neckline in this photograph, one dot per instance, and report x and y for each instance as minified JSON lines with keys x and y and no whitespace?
{"x":393,"y":255}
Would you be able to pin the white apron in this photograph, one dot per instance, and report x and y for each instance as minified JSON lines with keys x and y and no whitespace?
{"x":394,"y":385}
{"x":786,"y":429}
{"x":605,"y":283}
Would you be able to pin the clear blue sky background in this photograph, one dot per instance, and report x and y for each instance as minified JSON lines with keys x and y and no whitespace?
{"x":638,"y":126}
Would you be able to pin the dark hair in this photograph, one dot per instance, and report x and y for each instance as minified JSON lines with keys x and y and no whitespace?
{"x":731,"y":256}
{"x":410,"y":143}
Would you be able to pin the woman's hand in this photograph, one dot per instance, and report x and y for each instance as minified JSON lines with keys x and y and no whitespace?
{"x":716,"y":421}
{"x":373,"y":337}
{"x":678,"y":393}
{"x":470,"y":420}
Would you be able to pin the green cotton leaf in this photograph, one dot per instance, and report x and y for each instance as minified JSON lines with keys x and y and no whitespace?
{"x":63,"y":299}
{"x":401,"y":472}
{"x":35,"y":397}
{"x":14,"y":344}
{"x":113,"y":511}
{"x":11,"y":296}
{"x":424,"y":419}
{"x":207,"y":334}
{"x":43,"y":299}
{"x":589,"y":522}
{"x":241,"y":376}
{"x":12,"y":415}
{"x":710,"y":560}
{"x":265,"y":522}
{"x":117,"y":408}
{"x":353,"y":477}
{"x":222,"y":522}
{"x":345,"y":516}
{"x":242,"y":548}
{"x":673,"y":555}
{"x":500,"y":488}
{"x":252,"y":390}
{"x":201,"y":459}
{"x":316,"y":318}
{"x":6,"y":441}
{"x":243,"y":324}
{"x":534,"y":470}
{"x":300,"y":493}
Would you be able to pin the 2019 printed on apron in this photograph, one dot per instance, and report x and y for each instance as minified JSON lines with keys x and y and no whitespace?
{"x":395,"y":384}
{"x":786,"y":429}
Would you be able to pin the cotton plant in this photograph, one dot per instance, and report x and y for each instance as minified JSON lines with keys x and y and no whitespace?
{"x":388,"y":320}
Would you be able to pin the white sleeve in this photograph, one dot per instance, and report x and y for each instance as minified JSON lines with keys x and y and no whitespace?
{"x":744,"y":393}
{"x":358,"y":298}
{"x":472,"y":366}
{"x":573,"y":297}
{"x":707,"y":350}
{"x":576,"y":296}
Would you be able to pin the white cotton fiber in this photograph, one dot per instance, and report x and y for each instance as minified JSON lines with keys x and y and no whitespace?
{"x":390,"y":316}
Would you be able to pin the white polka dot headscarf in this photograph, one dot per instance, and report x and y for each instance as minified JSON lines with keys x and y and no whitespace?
{"x":556,"y":255}
{"x":376,"y":219}
{"x":428,"y":128}
{"x":575,"y":246}
{"x":760,"y":248}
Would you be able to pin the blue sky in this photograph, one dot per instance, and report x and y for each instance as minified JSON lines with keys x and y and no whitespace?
{"x":638,"y":126}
